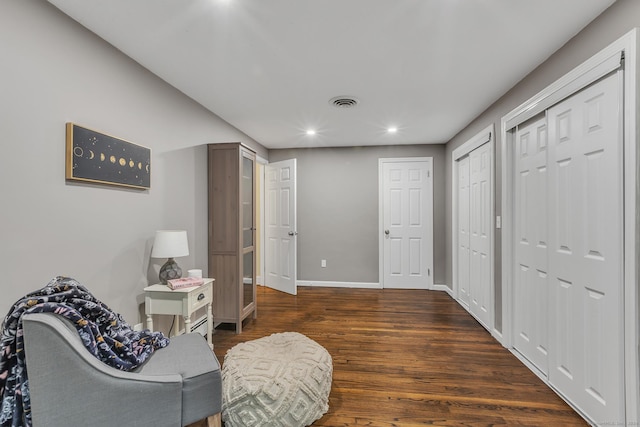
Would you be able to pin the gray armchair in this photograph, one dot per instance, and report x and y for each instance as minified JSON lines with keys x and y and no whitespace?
{"x":178,"y":385}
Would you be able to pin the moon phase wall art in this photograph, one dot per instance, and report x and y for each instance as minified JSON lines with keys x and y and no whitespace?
{"x":95,"y":157}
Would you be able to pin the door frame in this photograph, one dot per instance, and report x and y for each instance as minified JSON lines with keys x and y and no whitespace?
{"x":485,"y":136}
{"x":260,"y":204}
{"x":623,"y":50}
{"x":381,"y":162}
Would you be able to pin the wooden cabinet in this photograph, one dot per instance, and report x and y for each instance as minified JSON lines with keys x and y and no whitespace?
{"x":232,"y":232}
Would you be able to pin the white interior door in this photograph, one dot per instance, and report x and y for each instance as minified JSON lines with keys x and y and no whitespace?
{"x":585,"y":250}
{"x":407,"y":223}
{"x":531,"y":285}
{"x":480,"y":229}
{"x":280,"y":226}
{"x":464,"y":234}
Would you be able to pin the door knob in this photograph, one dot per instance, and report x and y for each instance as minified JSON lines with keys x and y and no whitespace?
{"x":293,"y":233}
{"x":386,"y":232}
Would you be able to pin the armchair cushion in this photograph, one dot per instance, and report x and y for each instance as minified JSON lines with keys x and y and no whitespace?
{"x":190,"y":357}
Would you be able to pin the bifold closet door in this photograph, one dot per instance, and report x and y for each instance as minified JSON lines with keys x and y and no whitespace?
{"x":585,"y":203}
{"x":480,"y":245}
{"x":531,"y":287}
{"x":464,"y":235}
{"x":474,"y":225}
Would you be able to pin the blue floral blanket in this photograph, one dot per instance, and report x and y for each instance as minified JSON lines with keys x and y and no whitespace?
{"x":103,"y":332}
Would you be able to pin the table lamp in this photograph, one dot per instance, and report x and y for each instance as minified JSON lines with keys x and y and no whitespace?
{"x":170,"y":244}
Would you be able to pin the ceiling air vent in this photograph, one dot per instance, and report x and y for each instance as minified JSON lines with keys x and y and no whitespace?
{"x":344,"y":102}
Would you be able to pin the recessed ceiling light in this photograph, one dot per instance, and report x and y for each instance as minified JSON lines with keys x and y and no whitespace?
{"x":311,"y":132}
{"x":392,"y":129}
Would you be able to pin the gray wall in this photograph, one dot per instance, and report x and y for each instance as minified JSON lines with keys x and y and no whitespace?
{"x":54,"y":71}
{"x":338,"y":209}
{"x":616,"y":21}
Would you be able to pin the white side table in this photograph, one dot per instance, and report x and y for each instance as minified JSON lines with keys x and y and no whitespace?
{"x":161,"y":299}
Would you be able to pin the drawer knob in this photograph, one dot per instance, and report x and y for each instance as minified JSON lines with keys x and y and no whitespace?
{"x":200,"y":297}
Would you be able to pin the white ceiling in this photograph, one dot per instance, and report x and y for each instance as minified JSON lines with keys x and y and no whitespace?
{"x":270,"y":67}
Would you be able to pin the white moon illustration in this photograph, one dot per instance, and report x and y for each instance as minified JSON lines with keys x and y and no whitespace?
{"x":91,"y":155}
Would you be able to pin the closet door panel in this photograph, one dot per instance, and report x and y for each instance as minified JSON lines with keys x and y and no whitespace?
{"x":585,"y":256}
{"x":464,"y":237}
{"x":481,"y":226}
{"x":531,"y":285}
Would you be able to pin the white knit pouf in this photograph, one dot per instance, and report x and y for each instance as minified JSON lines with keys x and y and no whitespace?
{"x":280,"y":380}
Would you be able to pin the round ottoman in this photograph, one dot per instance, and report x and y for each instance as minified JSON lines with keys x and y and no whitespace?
{"x":280,"y":380}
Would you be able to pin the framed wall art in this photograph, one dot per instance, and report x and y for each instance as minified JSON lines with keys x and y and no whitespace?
{"x":95,"y":157}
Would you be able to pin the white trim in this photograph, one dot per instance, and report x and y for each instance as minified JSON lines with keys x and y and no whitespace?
{"x":631,"y":226}
{"x":543,"y":378}
{"x":362,"y":285}
{"x":506,"y":208}
{"x":589,"y":71}
{"x":444,"y":288}
{"x":598,"y":66}
{"x":261,"y":248}
{"x":321,"y":283}
{"x":497,"y":335}
{"x":381,"y":161}
{"x":481,"y":138}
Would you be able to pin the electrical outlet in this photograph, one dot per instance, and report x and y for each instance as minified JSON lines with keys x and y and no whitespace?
{"x":323,"y":263}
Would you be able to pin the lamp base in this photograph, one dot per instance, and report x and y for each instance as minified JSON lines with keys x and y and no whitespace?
{"x":170,"y":271}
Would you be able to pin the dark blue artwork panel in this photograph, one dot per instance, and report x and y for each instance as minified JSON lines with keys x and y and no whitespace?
{"x":95,"y":157}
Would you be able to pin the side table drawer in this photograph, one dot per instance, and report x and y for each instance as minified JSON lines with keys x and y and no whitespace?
{"x":200,"y":297}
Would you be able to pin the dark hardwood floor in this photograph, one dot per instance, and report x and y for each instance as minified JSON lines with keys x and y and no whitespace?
{"x":406,"y":358}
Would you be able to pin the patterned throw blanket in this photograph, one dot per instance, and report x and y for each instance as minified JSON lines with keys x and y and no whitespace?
{"x":103,"y":332}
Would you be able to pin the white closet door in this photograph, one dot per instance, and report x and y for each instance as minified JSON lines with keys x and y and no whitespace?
{"x":530,"y":287}
{"x":464,"y":236}
{"x":585,"y":250}
{"x":480,"y":268}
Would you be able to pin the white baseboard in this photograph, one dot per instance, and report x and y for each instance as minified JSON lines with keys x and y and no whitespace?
{"x":443,"y":288}
{"x":499,"y":337}
{"x":545,"y":379}
{"x":320,"y":283}
{"x":493,"y":331}
{"x":363,"y":285}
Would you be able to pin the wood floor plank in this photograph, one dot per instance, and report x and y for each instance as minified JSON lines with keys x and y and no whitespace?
{"x":406,"y":358}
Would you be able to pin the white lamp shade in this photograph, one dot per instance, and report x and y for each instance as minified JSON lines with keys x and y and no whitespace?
{"x":170,"y":244}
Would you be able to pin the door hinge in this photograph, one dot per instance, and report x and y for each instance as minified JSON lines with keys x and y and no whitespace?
{"x":428,"y":272}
